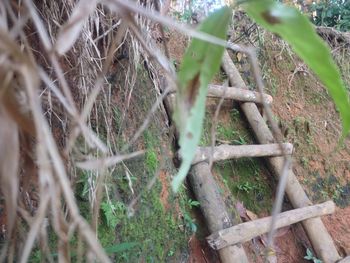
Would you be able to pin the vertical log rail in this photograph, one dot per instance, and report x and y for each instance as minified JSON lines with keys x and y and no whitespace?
{"x":211,"y":202}
{"x":214,"y":209}
{"x":315,"y":229}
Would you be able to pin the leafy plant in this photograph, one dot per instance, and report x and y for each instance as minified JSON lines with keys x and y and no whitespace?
{"x":151,"y":160}
{"x":112,"y":212}
{"x":226,"y":133}
{"x":246,"y":187}
{"x":190,"y":223}
{"x":332,"y":13}
{"x":193,"y":203}
{"x":310,"y":256}
{"x":201,"y":62}
{"x":241,"y":140}
{"x":287,"y":22}
{"x":184,"y":16}
{"x":171,"y":253}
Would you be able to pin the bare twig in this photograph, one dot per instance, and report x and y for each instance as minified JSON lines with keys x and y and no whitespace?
{"x":214,"y":124}
{"x":156,"y":16}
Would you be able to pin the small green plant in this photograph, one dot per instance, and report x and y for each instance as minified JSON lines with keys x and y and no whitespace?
{"x":185,"y":16}
{"x":171,"y":253}
{"x":337,"y":192}
{"x":332,"y":13}
{"x":225,"y":133}
{"x":193,"y":203}
{"x":241,"y":140}
{"x":246,"y":187}
{"x":190,"y":223}
{"x":310,"y":256}
{"x":304,"y":161}
{"x":151,"y":160}
{"x":112,"y":212}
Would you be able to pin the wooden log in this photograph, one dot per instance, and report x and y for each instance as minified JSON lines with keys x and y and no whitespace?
{"x":248,"y":230}
{"x":238,"y":94}
{"x":211,"y":202}
{"x":214,"y":209}
{"x":314,"y":227}
{"x":225,"y":151}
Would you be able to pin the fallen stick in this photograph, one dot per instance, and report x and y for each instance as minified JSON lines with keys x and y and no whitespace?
{"x":225,"y":151}
{"x":246,"y":231}
{"x":320,"y":239}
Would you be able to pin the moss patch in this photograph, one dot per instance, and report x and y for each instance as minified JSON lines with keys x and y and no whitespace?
{"x":247,"y":178}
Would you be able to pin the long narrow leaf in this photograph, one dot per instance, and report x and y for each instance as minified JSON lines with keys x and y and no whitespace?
{"x":201,"y":62}
{"x":296,"y":29}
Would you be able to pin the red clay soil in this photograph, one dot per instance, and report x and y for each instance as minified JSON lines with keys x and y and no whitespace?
{"x":164,"y":194}
{"x":200,"y":252}
{"x":338,"y":226}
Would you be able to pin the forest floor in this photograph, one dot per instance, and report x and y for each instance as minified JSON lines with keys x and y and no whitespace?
{"x":145,"y":220}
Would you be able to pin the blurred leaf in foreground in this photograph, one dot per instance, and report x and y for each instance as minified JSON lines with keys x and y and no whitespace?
{"x":296,"y":29}
{"x":201,"y":62}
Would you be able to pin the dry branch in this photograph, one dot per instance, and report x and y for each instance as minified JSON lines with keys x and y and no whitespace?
{"x":248,"y":230}
{"x":225,"y":151}
{"x":317,"y":232}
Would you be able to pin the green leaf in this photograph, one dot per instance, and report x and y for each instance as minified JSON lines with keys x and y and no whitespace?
{"x":309,"y":253}
{"x":201,"y":62}
{"x":296,"y":29}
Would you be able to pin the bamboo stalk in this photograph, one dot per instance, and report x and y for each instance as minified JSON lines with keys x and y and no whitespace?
{"x":246,"y":231}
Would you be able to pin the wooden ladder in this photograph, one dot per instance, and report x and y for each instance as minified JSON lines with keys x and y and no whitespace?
{"x":225,"y":236}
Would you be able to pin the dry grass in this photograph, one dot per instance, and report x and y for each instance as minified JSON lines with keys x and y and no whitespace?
{"x":55,"y":56}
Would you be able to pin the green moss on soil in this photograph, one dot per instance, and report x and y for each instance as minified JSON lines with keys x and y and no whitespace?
{"x":245,"y":178}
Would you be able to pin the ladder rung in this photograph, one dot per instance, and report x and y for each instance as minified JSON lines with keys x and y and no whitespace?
{"x":243,"y":95}
{"x":225,"y":151}
{"x":248,"y":230}
{"x":238,"y":94}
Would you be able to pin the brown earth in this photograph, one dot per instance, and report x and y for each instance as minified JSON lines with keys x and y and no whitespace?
{"x":164,"y":194}
{"x":338,"y":226}
{"x":312,"y":124}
